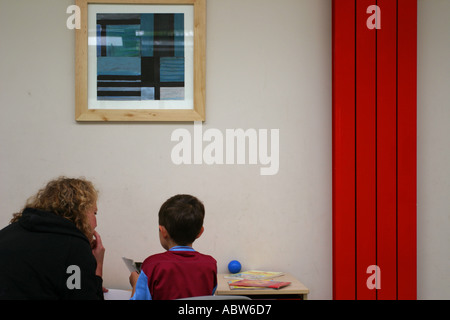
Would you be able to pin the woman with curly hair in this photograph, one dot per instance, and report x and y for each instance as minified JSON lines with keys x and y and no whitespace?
{"x":51,"y":250}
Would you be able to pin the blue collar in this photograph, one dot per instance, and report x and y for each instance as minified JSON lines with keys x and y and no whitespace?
{"x":181,"y":248}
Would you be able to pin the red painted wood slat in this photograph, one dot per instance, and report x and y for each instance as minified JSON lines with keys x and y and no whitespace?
{"x":387,"y":150}
{"x":343,"y":149}
{"x":407,"y":149}
{"x":365,"y":150}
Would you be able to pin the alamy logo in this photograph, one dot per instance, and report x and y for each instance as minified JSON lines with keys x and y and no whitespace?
{"x":374,"y":280}
{"x":74,"y":280}
{"x":237,"y":146}
{"x":74,"y":21}
{"x":374,"y":21}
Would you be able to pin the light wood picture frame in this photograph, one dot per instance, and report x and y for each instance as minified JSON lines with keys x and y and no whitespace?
{"x":140,"y":60}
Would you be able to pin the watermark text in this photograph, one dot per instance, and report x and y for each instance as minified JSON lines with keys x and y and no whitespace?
{"x":236,"y":146}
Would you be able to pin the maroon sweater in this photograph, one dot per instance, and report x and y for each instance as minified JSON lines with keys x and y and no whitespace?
{"x":178,"y":273}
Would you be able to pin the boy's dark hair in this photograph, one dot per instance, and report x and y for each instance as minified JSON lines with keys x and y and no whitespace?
{"x":182,"y":216}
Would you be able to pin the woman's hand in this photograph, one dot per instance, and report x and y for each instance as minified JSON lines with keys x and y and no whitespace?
{"x":98,"y":250}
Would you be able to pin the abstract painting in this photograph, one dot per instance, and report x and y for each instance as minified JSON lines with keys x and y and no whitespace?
{"x":140,"y":56}
{"x":141,"y":60}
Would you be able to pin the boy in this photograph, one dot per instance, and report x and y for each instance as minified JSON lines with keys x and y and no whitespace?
{"x":180,"y":272}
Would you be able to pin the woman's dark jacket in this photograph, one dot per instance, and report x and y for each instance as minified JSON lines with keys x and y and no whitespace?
{"x":45,"y":256}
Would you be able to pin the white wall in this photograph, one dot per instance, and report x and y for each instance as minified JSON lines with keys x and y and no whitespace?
{"x":268,"y":67}
{"x":433,"y":154}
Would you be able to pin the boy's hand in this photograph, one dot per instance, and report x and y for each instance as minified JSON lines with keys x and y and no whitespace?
{"x":133,"y":280}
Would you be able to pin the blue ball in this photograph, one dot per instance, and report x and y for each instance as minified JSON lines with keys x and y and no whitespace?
{"x":234,"y":266}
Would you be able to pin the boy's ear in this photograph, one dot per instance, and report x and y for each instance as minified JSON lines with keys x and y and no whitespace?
{"x":200,"y":233}
{"x":163,"y":231}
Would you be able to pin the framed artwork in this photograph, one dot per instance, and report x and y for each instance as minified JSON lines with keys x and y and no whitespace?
{"x":140,"y":60}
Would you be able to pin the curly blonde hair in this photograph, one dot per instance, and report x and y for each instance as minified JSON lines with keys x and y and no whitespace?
{"x":66,"y":197}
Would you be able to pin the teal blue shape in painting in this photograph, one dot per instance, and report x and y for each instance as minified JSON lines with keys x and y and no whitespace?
{"x":172,"y":69}
{"x":99,"y":40}
{"x":118,"y":66}
{"x":123,"y":41}
{"x":146,"y":33}
{"x":179,"y":34}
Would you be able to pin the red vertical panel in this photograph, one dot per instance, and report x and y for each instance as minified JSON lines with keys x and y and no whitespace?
{"x":365,"y":150}
{"x":343,"y":149}
{"x":374,"y":149}
{"x":407,"y":158}
{"x":386,"y":150}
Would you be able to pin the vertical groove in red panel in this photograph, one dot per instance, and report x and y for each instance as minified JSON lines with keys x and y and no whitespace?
{"x":407,"y":158}
{"x":343,"y":150}
{"x":386,"y":223}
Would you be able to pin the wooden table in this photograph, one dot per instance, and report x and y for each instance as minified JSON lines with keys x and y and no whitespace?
{"x":296,"y":290}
